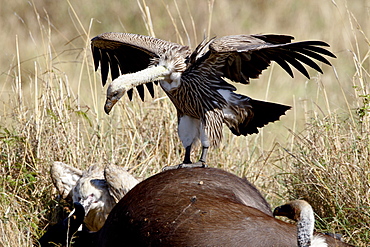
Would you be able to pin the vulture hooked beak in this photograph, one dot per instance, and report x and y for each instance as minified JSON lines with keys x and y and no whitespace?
{"x":109,"y":103}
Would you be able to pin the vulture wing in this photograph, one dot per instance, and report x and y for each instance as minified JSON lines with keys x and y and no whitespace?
{"x":119,"y":181}
{"x":241,"y":57}
{"x":64,"y":177}
{"x":127,"y":53}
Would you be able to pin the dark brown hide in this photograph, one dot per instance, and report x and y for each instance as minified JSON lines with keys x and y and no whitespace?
{"x":194,"y":207}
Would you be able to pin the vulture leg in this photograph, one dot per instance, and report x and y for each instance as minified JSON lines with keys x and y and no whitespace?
{"x":203,"y":157}
{"x":187,"y":159}
{"x":187,"y":162}
{"x":201,"y":163}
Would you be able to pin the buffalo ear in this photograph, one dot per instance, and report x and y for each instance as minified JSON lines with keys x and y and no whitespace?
{"x":64,"y":177}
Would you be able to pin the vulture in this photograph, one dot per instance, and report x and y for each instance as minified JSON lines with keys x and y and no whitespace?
{"x":97,"y":189}
{"x":195,"y":80}
{"x":302,"y":212}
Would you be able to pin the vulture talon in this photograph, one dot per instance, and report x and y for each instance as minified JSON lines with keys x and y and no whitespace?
{"x":198,"y":164}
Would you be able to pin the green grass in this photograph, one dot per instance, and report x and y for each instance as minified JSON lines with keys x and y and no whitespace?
{"x":51,"y":106}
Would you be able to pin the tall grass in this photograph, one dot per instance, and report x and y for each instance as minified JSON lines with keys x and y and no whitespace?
{"x":51,"y":107}
{"x":329,"y":164}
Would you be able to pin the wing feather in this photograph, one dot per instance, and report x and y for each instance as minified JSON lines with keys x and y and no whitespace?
{"x":295,"y":63}
{"x":306,"y":61}
{"x":114,"y":65}
{"x":150,"y":88}
{"x":129,"y":93}
{"x":104,"y":67}
{"x":311,"y":53}
{"x":241,"y":57}
{"x":283,"y":64}
{"x":140,"y":90}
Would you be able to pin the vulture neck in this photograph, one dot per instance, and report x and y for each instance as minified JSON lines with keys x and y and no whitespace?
{"x":302,"y":212}
{"x":305,"y":226}
{"x":151,"y":74}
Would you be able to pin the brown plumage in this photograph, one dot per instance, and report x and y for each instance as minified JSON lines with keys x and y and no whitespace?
{"x":194,"y":81}
{"x":195,"y":207}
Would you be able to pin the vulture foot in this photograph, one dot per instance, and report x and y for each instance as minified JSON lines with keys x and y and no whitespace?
{"x":192,"y":165}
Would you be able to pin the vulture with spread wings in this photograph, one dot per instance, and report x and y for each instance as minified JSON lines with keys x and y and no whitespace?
{"x":194,"y":80}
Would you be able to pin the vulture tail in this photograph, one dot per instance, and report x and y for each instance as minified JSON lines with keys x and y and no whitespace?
{"x":245,"y":116}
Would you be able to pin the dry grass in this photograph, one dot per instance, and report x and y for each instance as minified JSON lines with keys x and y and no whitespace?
{"x":329,"y":164}
{"x":330,"y":167}
{"x":51,"y":106}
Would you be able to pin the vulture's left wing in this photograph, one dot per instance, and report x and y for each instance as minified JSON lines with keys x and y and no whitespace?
{"x":241,"y":57}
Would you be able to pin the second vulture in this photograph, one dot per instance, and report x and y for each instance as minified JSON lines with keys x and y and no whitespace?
{"x":195,"y":80}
